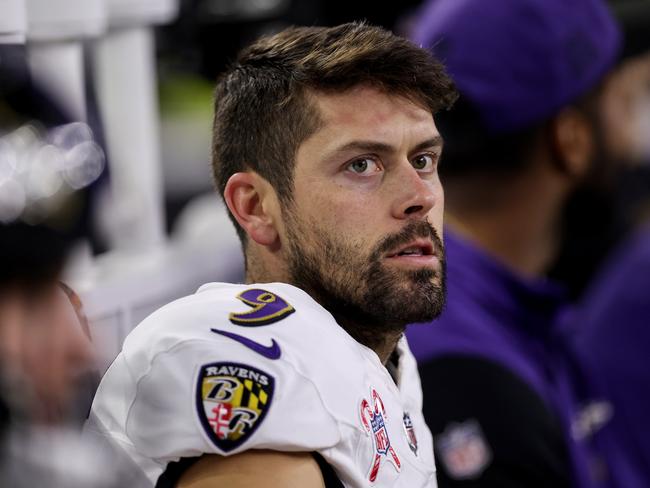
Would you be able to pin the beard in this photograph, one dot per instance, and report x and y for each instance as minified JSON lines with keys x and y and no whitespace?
{"x":596,"y":221}
{"x":365,"y":296}
{"x":595,"y":217}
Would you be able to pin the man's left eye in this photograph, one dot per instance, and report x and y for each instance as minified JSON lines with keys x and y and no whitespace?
{"x":423,"y":162}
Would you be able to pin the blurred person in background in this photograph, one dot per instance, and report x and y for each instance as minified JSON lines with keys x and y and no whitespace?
{"x":612,"y":343}
{"x":45,"y":348}
{"x":597,"y":218}
{"x":501,"y":395}
{"x":48,"y":162}
{"x":46,"y":360}
{"x":609,"y":328}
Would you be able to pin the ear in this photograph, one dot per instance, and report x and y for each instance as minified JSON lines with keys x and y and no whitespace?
{"x":572,"y":142}
{"x":248,"y":197}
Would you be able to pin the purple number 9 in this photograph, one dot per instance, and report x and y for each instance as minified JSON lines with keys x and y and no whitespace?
{"x":267,"y":308}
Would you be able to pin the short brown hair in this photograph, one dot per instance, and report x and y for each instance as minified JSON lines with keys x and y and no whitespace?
{"x":262,"y":109}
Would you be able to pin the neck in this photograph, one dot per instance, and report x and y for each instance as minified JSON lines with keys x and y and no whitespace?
{"x":264,"y":267}
{"x":365,"y":328}
{"x":380,"y":339}
{"x":518,"y":221}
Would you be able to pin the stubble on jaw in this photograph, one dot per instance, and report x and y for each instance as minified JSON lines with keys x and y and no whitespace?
{"x":370,"y":301}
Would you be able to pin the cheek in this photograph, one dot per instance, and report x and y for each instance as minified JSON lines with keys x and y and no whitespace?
{"x":439,"y":208}
{"x":438,"y":193}
{"x":337,"y":208}
{"x":340,"y":230}
{"x":435,"y":215}
{"x":357,"y":218}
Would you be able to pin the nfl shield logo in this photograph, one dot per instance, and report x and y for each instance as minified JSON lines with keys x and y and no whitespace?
{"x":463,"y":450}
{"x":410,"y":433}
{"x":373,"y":418}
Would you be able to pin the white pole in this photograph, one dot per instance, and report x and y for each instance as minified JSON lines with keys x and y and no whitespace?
{"x":60,"y":66}
{"x":125,"y":77}
{"x":55,"y":32}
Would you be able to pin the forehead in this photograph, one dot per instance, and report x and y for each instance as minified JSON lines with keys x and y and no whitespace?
{"x":366,"y":104}
{"x":368,"y":113}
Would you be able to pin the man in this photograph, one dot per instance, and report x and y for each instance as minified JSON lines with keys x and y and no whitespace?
{"x":596,"y":221}
{"x":611,"y":341}
{"x":609,"y":329}
{"x":43,"y":349}
{"x":325,"y":151}
{"x":500,"y":394}
{"x":47,"y":362}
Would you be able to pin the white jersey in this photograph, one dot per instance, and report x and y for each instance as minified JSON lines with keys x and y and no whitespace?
{"x":237,"y":367}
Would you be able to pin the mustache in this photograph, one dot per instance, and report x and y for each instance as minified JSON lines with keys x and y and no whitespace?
{"x":413,"y":230}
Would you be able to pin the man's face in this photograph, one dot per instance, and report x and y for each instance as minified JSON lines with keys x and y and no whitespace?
{"x":362,"y":232}
{"x":613,"y":196}
{"x":625,"y":111}
{"x":44,"y":350}
{"x":55,"y":337}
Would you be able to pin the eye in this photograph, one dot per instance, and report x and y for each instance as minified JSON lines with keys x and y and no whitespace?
{"x":424,"y":162}
{"x":364,"y":166}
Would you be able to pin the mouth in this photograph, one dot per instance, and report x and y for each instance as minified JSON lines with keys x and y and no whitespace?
{"x":418,"y":252}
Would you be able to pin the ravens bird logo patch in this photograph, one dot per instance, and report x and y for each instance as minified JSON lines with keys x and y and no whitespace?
{"x":232,"y":400}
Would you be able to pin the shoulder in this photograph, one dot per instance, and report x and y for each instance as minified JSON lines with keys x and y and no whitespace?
{"x":228,"y":369}
{"x":272,"y":324}
{"x":485,"y":419}
{"x":466,"y":331}
{"x":477,"y":334}
{"x":466,"y":379}
{"x":218,"y":303}
{"x":273,"y":321}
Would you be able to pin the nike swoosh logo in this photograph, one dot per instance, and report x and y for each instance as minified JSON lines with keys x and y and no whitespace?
{"x":271,"y":352}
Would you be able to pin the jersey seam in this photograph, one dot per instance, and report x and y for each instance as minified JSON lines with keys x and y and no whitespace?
{"x":320,"y":397}
{"x":175,"y":346}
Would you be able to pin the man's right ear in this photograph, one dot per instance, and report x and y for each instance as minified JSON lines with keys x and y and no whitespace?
{"x":572,"y":141}
{"x":250,"y":199}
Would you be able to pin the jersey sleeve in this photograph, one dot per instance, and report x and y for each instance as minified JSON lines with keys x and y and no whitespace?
{"x":489,"y":428}
{"x":215,"y":396}
{"x":221,"y":397}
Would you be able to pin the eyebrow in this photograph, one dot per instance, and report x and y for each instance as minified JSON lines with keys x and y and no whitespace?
{"x":375,"y":146}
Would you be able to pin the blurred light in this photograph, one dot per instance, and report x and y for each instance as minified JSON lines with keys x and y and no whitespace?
{"x":24,"y":138}
{"x":84,"y":163}
{"x":69,"y":135}
{"x":44,"y":178}
{"x":7,"y":161}
{"x":12,"y":201}
{"x":39,"y":169}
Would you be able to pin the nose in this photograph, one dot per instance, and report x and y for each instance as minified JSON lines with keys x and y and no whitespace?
{"x":414,"y":195}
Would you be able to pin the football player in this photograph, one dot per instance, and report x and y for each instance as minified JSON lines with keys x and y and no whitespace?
{"x":326,"y":152}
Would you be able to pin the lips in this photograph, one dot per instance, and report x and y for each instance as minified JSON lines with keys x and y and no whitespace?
{"x":416,"y":248}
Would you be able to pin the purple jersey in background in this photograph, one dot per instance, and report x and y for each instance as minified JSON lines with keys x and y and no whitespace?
{"x":611,"y":335}
{"x":495,"y":359}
